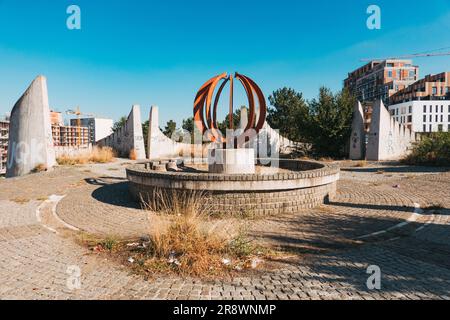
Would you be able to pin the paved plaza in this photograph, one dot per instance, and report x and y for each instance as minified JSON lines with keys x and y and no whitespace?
{"x":394,"y":217}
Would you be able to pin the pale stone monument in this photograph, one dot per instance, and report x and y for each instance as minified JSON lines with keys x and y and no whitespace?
{"x":388,"y":139}
{"x":358,"y":136}
{"x":30,"y":132}
{"x":129,"y":137}
{"x":161,"y":146}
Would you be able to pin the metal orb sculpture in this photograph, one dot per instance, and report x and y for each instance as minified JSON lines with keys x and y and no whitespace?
{"x":206,"y":102}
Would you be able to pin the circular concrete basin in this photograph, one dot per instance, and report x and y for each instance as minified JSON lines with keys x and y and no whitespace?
{"x":291,"y":186}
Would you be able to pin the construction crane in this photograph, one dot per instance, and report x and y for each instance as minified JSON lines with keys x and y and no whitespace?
{"x":78,"y":113}
{"x":430,"y":53}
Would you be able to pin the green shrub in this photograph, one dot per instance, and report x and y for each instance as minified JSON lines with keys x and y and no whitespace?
{"x":431,"y":150}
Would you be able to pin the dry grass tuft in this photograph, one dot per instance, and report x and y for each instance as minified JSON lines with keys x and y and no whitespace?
{"x":21,"y":200}
{"x":186,"y":245}
{"x":97,"y":155}
{"x":39,"y":168}
{"x":102,"y":155}
{"x":188,"y":203}
{"x":185,"y":240}
{"x":133,"y":154}
{"x":361,"y":164}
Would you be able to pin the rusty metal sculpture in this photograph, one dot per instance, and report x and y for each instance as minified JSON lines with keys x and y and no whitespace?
{"x":203,"y":107}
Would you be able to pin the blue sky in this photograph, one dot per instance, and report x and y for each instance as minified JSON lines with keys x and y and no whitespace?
{"x":160,"y":52}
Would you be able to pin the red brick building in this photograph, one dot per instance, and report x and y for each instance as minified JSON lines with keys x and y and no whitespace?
{"x":432,"y":87}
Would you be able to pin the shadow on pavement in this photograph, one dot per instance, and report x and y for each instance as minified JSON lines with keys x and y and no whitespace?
{"x":114,"y":193}
{"x":413,"y":263}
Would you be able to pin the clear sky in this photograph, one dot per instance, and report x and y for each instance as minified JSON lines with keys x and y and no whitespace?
{"x":160,"y":52}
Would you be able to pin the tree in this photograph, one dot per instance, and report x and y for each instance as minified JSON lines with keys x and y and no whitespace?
{"x":188,"y":124}
{"x":225,"y":124}
{"x":324,"y":121}
{"x":433,"y":149}
{"x":170,"y":128}
{"x":288,"y":113}
{"x":119,"y":124}
{"x":330,"y":118}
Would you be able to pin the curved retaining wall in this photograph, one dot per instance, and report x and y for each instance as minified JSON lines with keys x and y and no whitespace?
{"x":309,"y":184}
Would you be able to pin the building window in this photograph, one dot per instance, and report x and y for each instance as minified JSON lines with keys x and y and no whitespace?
{"x":410,"y":109}
{"x":424,"y":128}
{"x":436,"y":118}
{"x":431,"y":108}
{"x":431,"y":128}
{"x":434,"y":90}
{"x":390,"y":74}
{"x":440,"y":128}
{"x":409,"y":119}
{"x":425,"y":118}
{"x":442,"y":108}
{"x":442,"y":118}
{"x":425,"y":108}
{"x":431,"y":118}
{"x":437,"y":108}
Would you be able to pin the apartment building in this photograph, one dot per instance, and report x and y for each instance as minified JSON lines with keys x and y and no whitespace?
{"x":432,"y":87}
{"x":98,"y":128}
{"x":381,"y":79}
{"x":68,"y":136}
{"x":423,"y":116}
{"x":56,"y":118}
{"x":4,"y":137}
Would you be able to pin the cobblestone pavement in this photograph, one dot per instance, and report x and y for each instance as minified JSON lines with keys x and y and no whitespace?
{"x":374,"y":220}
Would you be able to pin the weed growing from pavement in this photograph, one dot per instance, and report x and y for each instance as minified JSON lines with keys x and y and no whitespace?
{"x":184,"y":240}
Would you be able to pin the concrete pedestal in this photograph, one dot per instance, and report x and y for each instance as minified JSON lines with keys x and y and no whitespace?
{"x":231,"y":161}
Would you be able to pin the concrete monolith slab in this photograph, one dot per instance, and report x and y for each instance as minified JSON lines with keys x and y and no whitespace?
{"x":388,"y":139}
{"x":129,"y":137}
{"x":358,"y":137}
{"x":30,"y":132}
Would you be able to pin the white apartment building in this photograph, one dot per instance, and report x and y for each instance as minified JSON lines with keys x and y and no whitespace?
{"x":98,"y":128}
{"x":423,"y":115}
